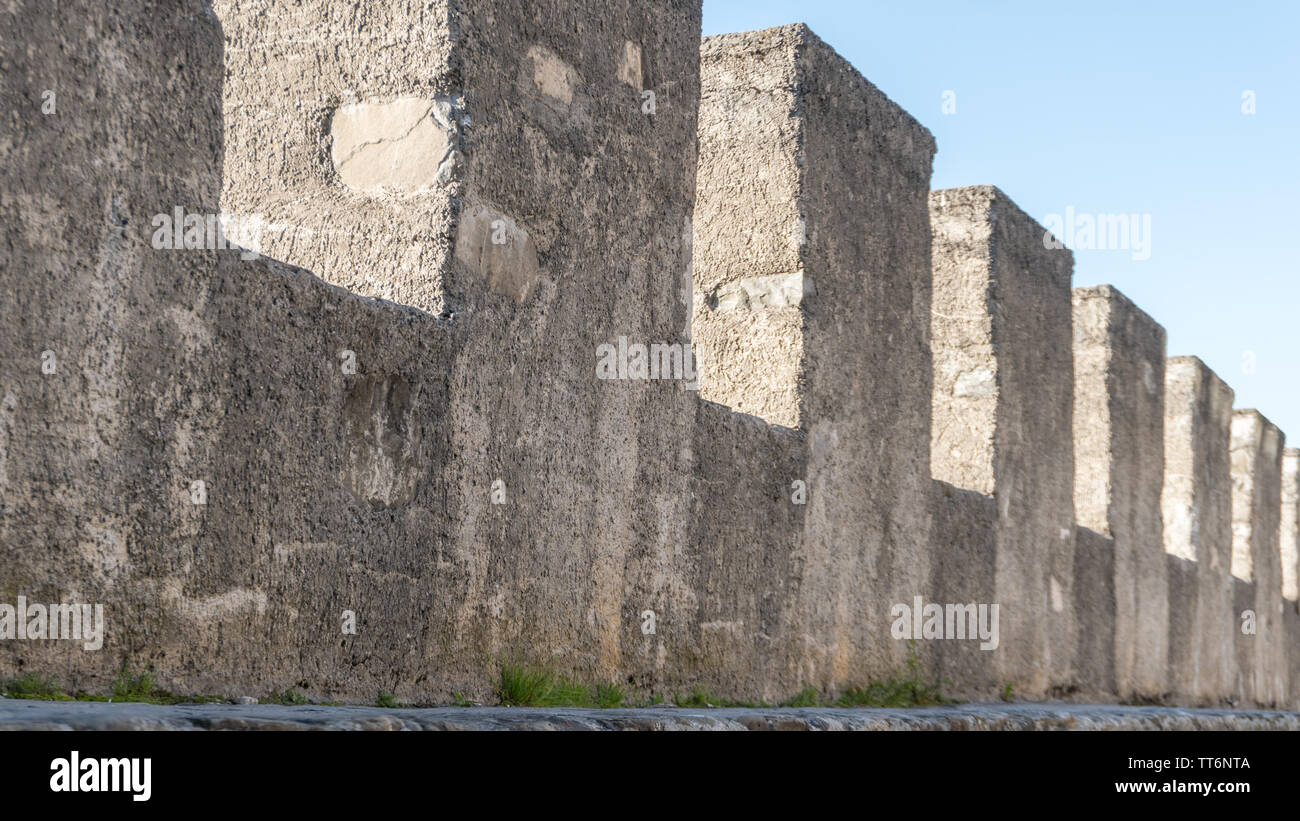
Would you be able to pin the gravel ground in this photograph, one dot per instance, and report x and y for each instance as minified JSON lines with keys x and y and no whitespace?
{"x":17,"y":714}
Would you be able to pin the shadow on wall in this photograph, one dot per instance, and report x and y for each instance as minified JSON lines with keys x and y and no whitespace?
{"x":194,"y":455}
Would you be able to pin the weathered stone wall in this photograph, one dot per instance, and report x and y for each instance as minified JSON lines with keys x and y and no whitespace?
{"x":963,"y":570}
{"x":749,"y":277}
{"x":1119,"y":374}
{"x":97,"y":447}
{"x":745,"y":566}
{"x":328,"y":490}
{"x":345,"y":124}
{"x":1196,"y":507}
{"x":1094,"y":607}
{"x":1001,"y":414}
{"x":827,"y":181}
{"x":1289,"y":535}
{"x":1289,"y":539}
{"x":231,"y":452}
{"x":1256,"y":453}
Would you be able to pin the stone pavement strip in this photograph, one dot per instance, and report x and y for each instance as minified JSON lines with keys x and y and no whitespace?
{"x":18,"y":714}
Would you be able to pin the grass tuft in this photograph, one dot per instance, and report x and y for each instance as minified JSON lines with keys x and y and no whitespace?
{"x":700,"y":697}
{"x":807,"y":697}
{"x":128,"y":686}
{"x":139,"y":687}
{"x":609,"y":696}
{"x":523,"y":686}
{"x":35,"y":686}
{"x":907,"y":689}
{"x":290,"y":697}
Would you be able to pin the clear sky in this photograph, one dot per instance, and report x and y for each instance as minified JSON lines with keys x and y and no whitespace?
{"x":1101,"y":109}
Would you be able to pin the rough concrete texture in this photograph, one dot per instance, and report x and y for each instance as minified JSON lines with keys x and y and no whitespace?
{"x":963,"y":569}
{"x":235,"y":456}
{"x":1289,"y":533}
{"x":1094,"y":608}
{"x":346,"y":128}
{"x":328,"y":490}
{"x":350,"y":449}
{"x":1119,"y":376}
{"x":1256,"y":454}
{"x":39,"y":715}
{"x":1196,"y":507}
{"x":1182,"y":662}
{"x":1002,"y":405}
{"x":750,"y":573}
{"x":807,"y":171}
{"x":1291,"y":625}
{"x":1289,"y":541}
{"x":1247,"y":684}
{"x":748,"y":222}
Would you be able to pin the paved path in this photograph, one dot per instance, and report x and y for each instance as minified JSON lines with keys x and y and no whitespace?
{"x":16,"y":714}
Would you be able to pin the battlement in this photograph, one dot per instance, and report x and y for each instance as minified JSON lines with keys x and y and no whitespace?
{"x":379,"y":446}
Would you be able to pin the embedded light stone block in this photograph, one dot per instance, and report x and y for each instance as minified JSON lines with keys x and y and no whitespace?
{"x":400,"y":145}
{"x":552,"y":76}
{"x":494,"y":249}
{"x":1001,"y":405}
{"x":629,"y":70}
{"x":779,"y":291}
{"x":1119,"y":375}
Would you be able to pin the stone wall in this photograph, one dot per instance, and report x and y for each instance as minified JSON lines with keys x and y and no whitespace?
{"x":416,"y":394}
{"x":1119,"y":374}
{"x":1001,"y":412}
{"x":1256,"y":556}
{"x":1196,"y":507}
{"x":1289,"y":541}
{"x":826,"y":331}
{"x":349,"y":447}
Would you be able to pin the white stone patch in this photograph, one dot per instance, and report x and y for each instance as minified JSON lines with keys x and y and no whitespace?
{"x":734,"y":627}
{"x":686,"y":291}
{"x":776,"y":291}
{"x":979,"y":382}
{"x":497,"y":250}
{"x":208,"y":609}
{"x":552,"y":76}
{"x":284,"y":551}
{"x":402,"y":145}
{"x":629,"y":69}
{"x":7,"y":406}
{"x":1243,"y":562}
{"x":194,"y":333}
{"x":1149,"y":378}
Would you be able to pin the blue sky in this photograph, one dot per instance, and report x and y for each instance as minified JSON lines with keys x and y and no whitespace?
{"x":1104,"y":110}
